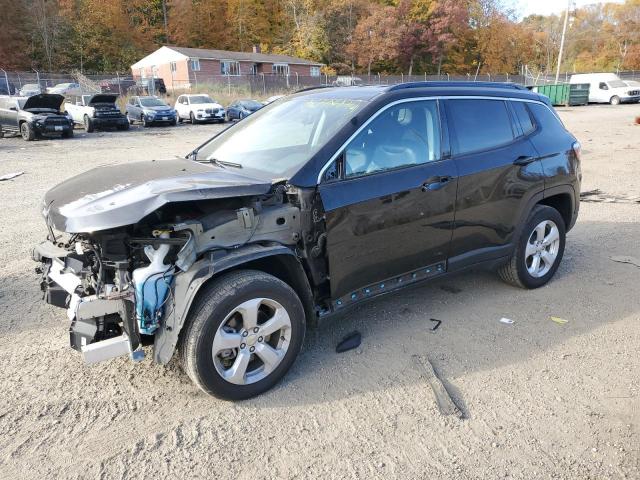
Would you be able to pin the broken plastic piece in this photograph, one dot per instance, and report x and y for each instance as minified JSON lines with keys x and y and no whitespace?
{"x":349,"y":342}
{"x":435,"y":327}
{"x":558,"y":320}
{"x":508,"y":321}
{"x":445,"y":402}
{"x":9,"y":176}
{"x":626,"y":259}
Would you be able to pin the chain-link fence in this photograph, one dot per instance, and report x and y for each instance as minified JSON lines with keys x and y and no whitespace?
{"x":15,"y":83}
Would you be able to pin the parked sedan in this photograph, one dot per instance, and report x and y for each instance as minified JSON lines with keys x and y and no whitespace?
{"x":65,"y":89}
{"x":199,"y":108}
{"x":150,"y":111}
{"x":242,"y":108}
{"x":30,"y":89}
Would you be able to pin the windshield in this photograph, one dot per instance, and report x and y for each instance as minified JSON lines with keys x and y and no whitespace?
{"x":283,"y":136}
{"x":152,"y":102}
{"x":21,"y":103}
{"x":201,"y":99}
{"x":250,"y":104}
{"x":62,"y":85}
{"x":616,"y":84}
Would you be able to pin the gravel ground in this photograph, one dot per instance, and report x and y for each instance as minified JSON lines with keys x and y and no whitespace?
{"x":541,"y":400}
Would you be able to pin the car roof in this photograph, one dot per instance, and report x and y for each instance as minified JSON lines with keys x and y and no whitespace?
{"x":423,"y":89}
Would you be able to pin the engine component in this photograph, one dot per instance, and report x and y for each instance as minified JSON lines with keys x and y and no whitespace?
{"x":152,"y":284}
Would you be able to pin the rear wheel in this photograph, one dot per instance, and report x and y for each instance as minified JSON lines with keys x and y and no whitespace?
{"x":242,"y":335}
{"x":539,"y":250}
{"x":615,"y":100}
{"x":88,"y":124}
{"x":192,"y":118}
{"x":27,"y":132}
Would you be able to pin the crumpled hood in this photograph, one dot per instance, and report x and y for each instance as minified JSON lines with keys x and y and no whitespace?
{"x":120,"y":195}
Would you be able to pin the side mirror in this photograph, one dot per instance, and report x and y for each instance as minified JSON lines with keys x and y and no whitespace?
{"x":13,"y":108}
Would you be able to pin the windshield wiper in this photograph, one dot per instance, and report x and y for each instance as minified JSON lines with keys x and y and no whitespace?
{"x":224,"y":163}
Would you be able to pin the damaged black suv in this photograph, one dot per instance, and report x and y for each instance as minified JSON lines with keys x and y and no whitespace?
{"x":297,"y":213}
{"x":35,"y":116}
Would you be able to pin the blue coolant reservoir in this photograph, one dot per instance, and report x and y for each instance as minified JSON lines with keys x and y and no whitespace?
{"x":152,"y":285}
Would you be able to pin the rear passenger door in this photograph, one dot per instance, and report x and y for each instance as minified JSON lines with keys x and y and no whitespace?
{"x":8,"y":117}
{"x":389,"y":202}
{"x":499,"y":172}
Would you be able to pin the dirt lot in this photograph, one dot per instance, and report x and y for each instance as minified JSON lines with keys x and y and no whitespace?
{"x":542,"y":400}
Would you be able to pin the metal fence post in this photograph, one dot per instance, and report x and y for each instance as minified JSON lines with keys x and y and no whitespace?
{"x":297,"y":82}
{"x":448,"y":78}
{"x":6,"y":79}
{"x":119,"y":87}
{"x":489,"y":75}
{"x":229,"y":83}
{"x":264,"y":85}
{"x":402,"y":77}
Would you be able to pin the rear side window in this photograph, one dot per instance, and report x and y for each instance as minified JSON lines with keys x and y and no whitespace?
{"x":480,"y":124}
{"x":545,"y":117}
{"x":523,"y":116}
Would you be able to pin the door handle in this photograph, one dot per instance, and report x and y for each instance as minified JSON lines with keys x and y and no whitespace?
{"x":523,"y":160}
{"x":435,"y":183}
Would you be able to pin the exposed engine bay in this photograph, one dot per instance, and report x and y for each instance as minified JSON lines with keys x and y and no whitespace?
{"x":131,"y":286}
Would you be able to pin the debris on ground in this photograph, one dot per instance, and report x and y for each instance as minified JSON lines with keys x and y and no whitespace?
{"x":450,"y":288}
{"x":9,"y":176}
{"x":445,"y":402}
{"x":558,"y":320}
{"x":437,"y":324}
{"x":637,"y":120}
{"x":626,"y":259}
{"x":599,"y":196}
{"x":349,"y":342}
{"x":508,"y":321}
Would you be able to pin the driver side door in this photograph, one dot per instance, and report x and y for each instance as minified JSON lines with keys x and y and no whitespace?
{"x":389,"y":201}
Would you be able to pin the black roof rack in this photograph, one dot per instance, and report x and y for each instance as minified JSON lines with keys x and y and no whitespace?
{"x":315,"y":87}
{"x":509,"y":85}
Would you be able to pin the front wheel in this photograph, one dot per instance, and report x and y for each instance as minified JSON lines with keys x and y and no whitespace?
{"x":192,"y":118}
{"x":242,"y":335}
{"x":27,"y":132}
{"x":615,"y":100}
{"x":88,"y":124}
{"x":539,"y":250}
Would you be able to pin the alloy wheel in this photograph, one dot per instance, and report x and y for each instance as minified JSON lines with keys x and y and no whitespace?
{"x":542,"y":248}
{"x":251,"y":341}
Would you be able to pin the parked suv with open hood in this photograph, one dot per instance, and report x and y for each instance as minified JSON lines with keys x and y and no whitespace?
{"x":31,"y":117}
{"x":312,"y":205}
{"x":199,"y":108}
{"x":96,"y":112}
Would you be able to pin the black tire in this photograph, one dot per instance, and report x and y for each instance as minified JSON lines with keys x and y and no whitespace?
{"x":515,"y":270}
{"x":123,"y":127}
{"x":192,"y":118}
{"x":68,"y":133}
{"x":219,"y":298}
{"x":144,"y":121}
{"x":130,"y":120}
{"x":615,"y":100}
{"x":88,"y":124}
{"x":27,"y":132}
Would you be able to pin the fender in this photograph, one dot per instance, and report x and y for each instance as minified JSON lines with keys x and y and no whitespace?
{"x":187,"y":284}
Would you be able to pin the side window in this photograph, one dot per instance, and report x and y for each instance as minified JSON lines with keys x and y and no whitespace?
{"x":522,"y":113}
{"x":479,"y":124}
{"x":603,"y":86}
{"x":403,"y":135}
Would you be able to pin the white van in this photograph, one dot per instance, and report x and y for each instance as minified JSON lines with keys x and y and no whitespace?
{"x":607,"y":88}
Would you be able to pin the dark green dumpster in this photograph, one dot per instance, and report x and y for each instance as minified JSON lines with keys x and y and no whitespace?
{"x":565,"y":93}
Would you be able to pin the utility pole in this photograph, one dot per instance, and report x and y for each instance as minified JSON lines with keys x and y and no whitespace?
{"x":564,"y":32}
{"x":166,"y":24}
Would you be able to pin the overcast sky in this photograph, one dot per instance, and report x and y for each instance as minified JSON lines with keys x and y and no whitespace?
{"x":546,"y":7}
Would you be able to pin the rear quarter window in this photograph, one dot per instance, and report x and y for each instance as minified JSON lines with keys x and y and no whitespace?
{"x":524,"y":117}
{"x":479,"y":124}
{"x":545,"y":117}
